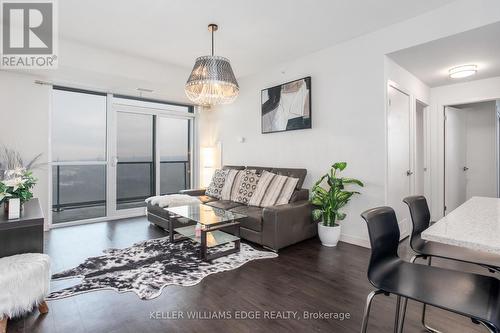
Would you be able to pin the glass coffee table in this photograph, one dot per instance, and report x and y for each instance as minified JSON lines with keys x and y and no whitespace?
{"x":210,"y":222}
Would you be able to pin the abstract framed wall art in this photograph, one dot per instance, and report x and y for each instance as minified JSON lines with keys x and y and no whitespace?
{"x":286,"y":107}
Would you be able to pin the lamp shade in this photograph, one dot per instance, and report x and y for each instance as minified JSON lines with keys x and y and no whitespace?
{"x":212,"y":81}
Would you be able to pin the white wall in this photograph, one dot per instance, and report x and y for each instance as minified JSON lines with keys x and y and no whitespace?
{"x":460,"y":93}
{"x":24,"y":114}
{"x":348,"y":107}
{"x":24,"y":105}
{"x":481,"y":150}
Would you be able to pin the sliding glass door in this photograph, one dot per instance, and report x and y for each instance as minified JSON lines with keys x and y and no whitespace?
{"x":174,"y":153}
{"x":135,"y":169}
{"x":78,"y":137}
{"x":110,"y":153}
{"x":150,"y":154}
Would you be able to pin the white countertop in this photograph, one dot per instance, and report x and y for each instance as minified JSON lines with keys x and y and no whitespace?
{"x":475,"y":224}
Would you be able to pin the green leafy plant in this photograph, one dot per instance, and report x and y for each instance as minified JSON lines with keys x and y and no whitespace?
{"x":329,"y":195}
{"x":17,"y":183}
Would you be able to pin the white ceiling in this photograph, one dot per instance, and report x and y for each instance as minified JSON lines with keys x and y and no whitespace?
{"x":253,"y":34}
{"x":431,"y":61}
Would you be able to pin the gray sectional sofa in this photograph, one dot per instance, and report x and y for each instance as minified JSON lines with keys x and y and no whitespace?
{"x":272,"y":227}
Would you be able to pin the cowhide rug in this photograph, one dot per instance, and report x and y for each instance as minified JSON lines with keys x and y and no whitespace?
{"x":147,"y":267}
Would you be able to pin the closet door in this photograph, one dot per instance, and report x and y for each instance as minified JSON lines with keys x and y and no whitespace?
{"x":398,"y":151}
{"x":455,"y":182}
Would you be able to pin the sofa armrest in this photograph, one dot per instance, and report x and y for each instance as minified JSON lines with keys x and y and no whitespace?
{"x":193,"y":192}
{"x":288,"y":224}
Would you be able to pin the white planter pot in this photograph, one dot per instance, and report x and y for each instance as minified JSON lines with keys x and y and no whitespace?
{"x":329,"y":236}
{"x":13,"y":208}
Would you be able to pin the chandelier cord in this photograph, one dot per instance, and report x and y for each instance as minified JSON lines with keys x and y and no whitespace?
{"x":212,"y":42}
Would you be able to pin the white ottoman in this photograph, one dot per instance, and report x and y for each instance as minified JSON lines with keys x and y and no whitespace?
{"x":24,"y":284}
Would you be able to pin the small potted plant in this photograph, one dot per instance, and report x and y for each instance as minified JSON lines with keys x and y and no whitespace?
{"x":16,"y":189}
{"x":16,"y":181}
{"x":329,"y":195}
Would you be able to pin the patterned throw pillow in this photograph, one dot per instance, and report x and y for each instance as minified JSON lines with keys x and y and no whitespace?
{"x":248,"y":185}
{"x":273,"y":190}
{"x":217,"y":183}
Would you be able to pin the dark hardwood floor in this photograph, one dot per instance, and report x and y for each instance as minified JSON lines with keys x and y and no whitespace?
{"x":305,"y":277}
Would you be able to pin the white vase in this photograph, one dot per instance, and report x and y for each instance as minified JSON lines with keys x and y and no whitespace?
{"x":329,"y":236}
{"x":13,"y":208}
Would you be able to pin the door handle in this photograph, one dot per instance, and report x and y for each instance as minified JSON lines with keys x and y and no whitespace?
{"x":114,"y":161}
{"x":409,"y":173}
{"x":466,"y":168}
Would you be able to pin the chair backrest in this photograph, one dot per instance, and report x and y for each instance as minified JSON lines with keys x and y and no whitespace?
{"x":384,"y":238}
{"x":420,"y":216}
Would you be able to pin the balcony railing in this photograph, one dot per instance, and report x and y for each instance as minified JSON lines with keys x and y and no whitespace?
{"x":59,"y":206}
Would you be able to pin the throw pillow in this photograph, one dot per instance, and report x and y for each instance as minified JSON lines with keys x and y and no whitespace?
{"x":231,"y":184}
{"x":273,"y":190}
{"x":248,"y":185}
{"x":217,"y":183}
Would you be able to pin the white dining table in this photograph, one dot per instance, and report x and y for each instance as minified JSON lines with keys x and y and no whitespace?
{"x":475,"y":224}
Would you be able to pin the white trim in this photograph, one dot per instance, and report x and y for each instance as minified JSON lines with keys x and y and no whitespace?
{"x":364,"y":242}
{"x":98,"y":219}
{"x":152,"y":111}
{"x":438,"y":211}
{"x":355,"y":240}
{"x":111,"y":157}
{"x":48,"y":222}
{"x":79,"y":163}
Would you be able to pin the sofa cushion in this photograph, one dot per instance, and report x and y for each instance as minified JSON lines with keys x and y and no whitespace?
{"x":217,"y":183}
{"x":223,"y":204}
{"x":233,"y":167}
{"x":247,"y":187}
{"x":273,"y":190}
{"x":294,"y":173}
{"x":289,"y":172}
{"x":300,"y":195}
{"x":231,"y":184}
{"x":254,"y":219}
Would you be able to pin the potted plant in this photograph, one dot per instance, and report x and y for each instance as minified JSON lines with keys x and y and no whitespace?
{"x":16,"y":181}
{"x":16,"y":189}
{"x":329,"y":196}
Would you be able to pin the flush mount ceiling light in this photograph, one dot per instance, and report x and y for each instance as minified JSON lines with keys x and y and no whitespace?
{"x":212,"y":80}
{"x":462,"y":71}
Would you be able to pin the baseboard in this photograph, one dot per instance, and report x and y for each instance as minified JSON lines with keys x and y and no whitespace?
{"x":366,"y":242}
{"x":355,"y":240}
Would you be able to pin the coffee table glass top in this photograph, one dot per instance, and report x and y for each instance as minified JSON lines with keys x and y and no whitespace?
{"x":206,"y":215}
{"x":214,"y":238}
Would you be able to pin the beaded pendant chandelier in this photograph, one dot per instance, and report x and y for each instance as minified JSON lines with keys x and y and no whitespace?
{"x":212,"y":80}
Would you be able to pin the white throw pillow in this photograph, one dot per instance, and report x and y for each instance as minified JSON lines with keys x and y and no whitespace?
{"x":273,"y":190}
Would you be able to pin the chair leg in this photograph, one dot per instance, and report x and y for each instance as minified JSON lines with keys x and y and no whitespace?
{"x":368,"y":305}
{"x":488,"y":327}
{"x":405,"y":303}
{"x":396,"y":317}
{"x":3,"y":325}
{"x":43,"y":308}
{"x":403,"y":313}
{"x":424,"y":307}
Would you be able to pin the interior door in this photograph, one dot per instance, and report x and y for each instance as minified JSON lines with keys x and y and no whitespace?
{"x":398,"y":141}
{"x":455,"y":158}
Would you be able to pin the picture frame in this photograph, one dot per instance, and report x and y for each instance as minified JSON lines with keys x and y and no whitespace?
{"x":287,"y":106}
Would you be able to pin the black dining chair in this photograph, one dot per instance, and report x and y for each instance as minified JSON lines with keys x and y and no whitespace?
{"x":420,"y":218}
{"x":471,"y":295}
